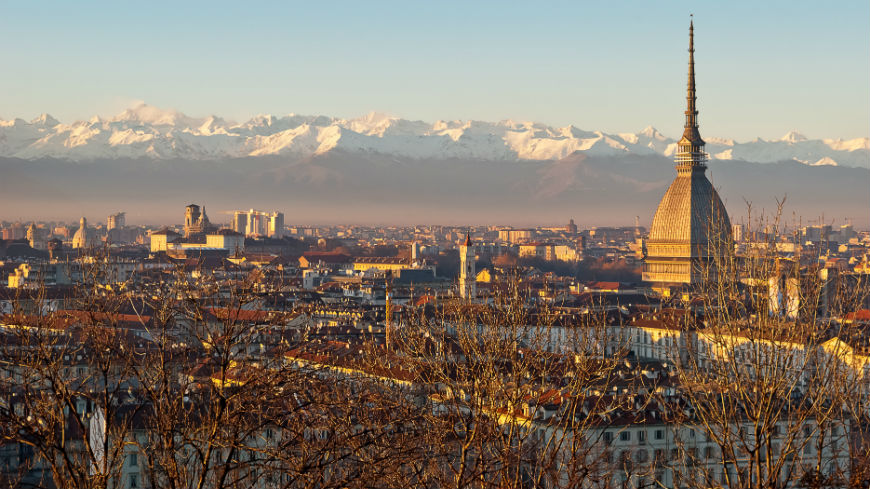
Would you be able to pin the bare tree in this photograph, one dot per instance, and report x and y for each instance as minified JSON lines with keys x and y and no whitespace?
{"x":765,"y":400}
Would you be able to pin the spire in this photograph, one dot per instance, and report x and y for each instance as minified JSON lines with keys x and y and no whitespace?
{"x":467,"y":239}
{"x":691,"y":152}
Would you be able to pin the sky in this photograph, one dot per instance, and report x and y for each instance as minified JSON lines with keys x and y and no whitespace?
{"x":763,"y":68}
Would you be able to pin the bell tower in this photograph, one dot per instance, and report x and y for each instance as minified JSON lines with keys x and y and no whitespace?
{"x":467,"y":272}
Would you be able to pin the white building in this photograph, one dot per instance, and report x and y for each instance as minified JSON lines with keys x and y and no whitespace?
{"x":226,"y":239}
{"x":258,"y":223}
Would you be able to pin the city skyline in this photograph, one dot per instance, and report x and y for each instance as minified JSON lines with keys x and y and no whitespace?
{"x":793,"y":66}
{"x":381,"y":302}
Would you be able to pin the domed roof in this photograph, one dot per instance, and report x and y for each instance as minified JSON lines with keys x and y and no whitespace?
{"x":690,"y":212}
{"x":85,"y":236}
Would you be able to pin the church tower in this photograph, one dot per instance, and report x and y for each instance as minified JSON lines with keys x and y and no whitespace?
{"x":691,"y":226}
{"x":191,"y":220}
{"x":467,"y":273}
{"x":35,"y":238}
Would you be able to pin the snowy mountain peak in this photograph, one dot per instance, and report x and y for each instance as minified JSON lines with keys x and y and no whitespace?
{"x":793,"y":137}
{"x":826,"y":161}
{"x":45,"y":120}
{"x":721,"y":141}
{"x":152,"y":132}
{"x":652,"y":133}
{"x":373,"y":123}
{"x":148,"y":114}
{"x":263,"y":119}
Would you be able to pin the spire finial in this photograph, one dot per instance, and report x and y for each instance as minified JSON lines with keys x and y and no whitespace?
{"x":691,"y":145}
{"x":691,"y":91}
{"x":691,"y":33}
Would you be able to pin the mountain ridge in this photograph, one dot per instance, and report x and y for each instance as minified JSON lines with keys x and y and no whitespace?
{"x":154,"y":133}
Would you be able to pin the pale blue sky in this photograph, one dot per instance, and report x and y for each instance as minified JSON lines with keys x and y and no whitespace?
{"x":763,"y":68}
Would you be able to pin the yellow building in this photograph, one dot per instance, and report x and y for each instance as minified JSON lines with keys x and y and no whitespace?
{"x":549,"y":252}
{"x":226,"y":239}
{"x":484,"y":276}
{"x":161,"y":239}
{"x":384,"y":264}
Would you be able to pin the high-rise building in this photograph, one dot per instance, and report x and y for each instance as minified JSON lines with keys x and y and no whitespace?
{"x":116,"y":221}
{"x":276,"y":225}
{"x":15,"y":231}
{"x":258,"y":223}
{"x":691,"y":225}
{"x":737,"y":232}
{"x":467,"y":272}
{"x":240,"y":222}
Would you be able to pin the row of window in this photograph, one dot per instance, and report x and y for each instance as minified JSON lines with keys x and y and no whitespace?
{"x":625,"y":435}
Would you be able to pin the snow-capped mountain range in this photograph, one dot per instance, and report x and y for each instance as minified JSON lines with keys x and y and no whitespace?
{"x":150,"y":132}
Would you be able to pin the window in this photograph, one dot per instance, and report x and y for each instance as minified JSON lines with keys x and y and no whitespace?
{"x":625,"y":436}
{"x":641,"y":455}
{"x":708,"y":452}
{"x":641,"y":436}
{"x":134,"y":480}
{"x":608,"y":436}
{"x":660,"y":434}
{"x":133,"y":460}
